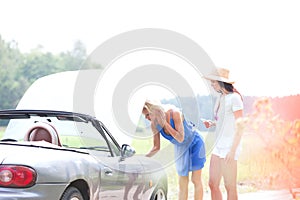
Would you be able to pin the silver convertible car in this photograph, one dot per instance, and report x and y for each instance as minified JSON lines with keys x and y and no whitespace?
{"x":46,"y":154}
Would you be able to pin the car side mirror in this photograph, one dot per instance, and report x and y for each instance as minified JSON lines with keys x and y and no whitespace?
{"x":127,"y":151}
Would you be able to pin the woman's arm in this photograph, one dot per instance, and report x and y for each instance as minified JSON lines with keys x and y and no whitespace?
{"x":237,"y":138}
{"x":178,"y":132}
{"x":156,"y":141}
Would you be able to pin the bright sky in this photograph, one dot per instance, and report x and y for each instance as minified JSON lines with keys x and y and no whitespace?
{"x":258,"y":40}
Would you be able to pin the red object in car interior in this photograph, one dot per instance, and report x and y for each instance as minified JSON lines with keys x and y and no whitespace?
{"x":16,"y":176}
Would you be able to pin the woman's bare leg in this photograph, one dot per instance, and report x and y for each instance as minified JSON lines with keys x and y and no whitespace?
{"x":215,"y":175}
{"x":183,"y":187}
{"x":198,"y":187}
{"x":230,"y":177}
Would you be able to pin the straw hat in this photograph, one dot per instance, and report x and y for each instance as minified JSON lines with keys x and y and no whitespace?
{"x":220,"y":74}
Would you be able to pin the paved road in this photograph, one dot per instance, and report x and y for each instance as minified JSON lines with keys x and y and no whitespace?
{"x":260,"y":195}
{"x":267,"y":195}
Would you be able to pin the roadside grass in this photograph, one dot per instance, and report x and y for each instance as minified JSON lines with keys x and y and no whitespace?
{"x":1,"y":131}
{"x":261,"y":169}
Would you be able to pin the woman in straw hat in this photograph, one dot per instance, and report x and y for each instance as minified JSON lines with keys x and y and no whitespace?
{"x":189,"y":147}
{"x":228,"y":108}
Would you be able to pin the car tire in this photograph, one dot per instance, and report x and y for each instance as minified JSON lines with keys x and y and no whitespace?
{"x":159,"y":193}
{"x":72,"y":193}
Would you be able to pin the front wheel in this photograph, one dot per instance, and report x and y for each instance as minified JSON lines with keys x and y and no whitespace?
{"x":159,"y":194}
{"x":72,"y":193}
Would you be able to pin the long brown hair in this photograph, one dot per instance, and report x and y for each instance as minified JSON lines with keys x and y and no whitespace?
{"x":230,"y":88}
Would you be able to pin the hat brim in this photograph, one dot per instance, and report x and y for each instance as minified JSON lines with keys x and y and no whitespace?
{"x":218,"y":78}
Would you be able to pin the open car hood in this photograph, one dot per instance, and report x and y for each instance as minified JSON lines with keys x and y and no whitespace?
{"x":60,"y":92}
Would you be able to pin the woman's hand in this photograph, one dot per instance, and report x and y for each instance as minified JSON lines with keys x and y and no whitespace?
{"x":159,"y":117}
{"x":208,"y":123}
{"x":229,"y":157}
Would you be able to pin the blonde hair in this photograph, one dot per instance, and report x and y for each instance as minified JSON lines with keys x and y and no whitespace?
{"x":151,"y":107}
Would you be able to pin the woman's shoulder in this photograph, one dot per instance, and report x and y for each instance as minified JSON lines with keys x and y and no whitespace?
{"x":234,"y":95}
{"x":174,"y":110}
{"x":173,"y":113}
{"x":236,"y":99}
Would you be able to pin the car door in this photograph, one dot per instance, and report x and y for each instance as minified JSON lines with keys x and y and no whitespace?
{"x":121,"y":177}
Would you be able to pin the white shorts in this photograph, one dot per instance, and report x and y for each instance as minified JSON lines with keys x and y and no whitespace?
{"x":222,"y":152}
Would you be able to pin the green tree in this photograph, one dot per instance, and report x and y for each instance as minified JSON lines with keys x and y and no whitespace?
{"x":18,"y":71}
{"x":12,"y":85}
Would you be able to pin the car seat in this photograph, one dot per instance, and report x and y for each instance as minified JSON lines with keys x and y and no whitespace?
{"x":41,"y":131}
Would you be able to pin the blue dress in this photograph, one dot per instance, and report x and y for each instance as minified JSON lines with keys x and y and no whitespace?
{"x":190,"y":154}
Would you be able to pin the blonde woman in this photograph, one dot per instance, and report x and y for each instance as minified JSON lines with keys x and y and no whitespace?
{"x":223,"y":162}
{"x":188,"y":145}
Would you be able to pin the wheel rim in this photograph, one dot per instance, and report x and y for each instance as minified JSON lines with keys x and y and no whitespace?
{"x":160,"y":195}
{"x":76,"y":197}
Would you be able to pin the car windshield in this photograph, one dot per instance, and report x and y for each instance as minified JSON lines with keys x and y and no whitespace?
{"x":73,"y":132}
